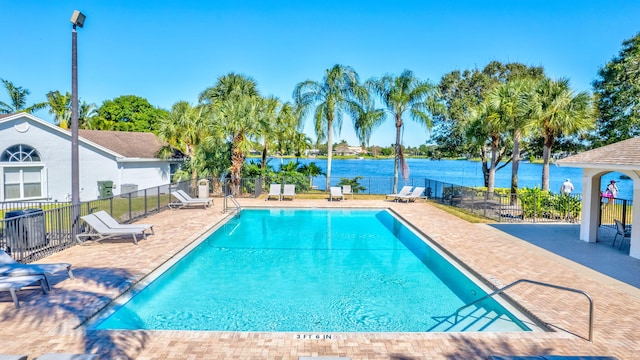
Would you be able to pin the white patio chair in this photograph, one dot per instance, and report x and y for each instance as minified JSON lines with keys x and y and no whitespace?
{"x":336,"y":192}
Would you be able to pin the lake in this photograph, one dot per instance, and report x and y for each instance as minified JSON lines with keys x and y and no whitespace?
{"x":460,"y":172}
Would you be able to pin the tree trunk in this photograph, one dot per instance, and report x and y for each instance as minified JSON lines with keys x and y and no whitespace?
{"x":515,"y":163}
{"x":237,"y":161}
{"x":329,"y":152}
{"x":396,"y":159}
{"x":546,"y":155}
{"x":492,"y":168}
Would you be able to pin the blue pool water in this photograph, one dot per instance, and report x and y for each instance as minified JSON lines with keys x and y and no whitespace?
{"x":308,"y":270}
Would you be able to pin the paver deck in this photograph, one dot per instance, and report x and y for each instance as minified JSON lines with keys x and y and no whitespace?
{"x":54,"y":323}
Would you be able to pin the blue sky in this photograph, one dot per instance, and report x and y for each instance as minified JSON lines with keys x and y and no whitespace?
{"x":166,"y":51}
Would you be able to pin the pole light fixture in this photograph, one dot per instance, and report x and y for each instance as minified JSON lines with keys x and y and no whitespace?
{"x":77,"y":19}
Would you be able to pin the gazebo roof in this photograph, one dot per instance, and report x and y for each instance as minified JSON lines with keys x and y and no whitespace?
{"x":623,"y":155}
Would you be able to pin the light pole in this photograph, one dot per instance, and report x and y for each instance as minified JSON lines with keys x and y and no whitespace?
{"x":77,"y":19}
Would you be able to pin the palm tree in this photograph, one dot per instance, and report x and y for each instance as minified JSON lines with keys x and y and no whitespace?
{"x":18,"y":102}
{"x":311,"y":170}
{"x":185,"y":128}
{"x":60,"y":108}
{"x":365,"y":119}
{"x":558,"y":112}
{"x":510,"y":114}
{"x":237,"y":107}
{"x":86,"y":113}
{"x":330,"y":98}
{"x":400,"y":94}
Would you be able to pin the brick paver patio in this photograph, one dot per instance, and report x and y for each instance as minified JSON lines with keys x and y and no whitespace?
{"x":54,"y":323}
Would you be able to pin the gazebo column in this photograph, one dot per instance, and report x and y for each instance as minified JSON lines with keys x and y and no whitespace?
{"x":634,"y":250}
{"x":590,"y":205}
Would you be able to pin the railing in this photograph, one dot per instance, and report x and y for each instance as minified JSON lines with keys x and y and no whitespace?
{"x":503,"y":289}
{"x":234,"y":201}
{"x":615,"y":209}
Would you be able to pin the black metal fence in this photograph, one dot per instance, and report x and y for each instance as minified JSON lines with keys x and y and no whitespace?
{"x":33,"y":230}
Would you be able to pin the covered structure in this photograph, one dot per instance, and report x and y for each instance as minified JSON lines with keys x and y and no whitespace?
{"x":622,"y":157}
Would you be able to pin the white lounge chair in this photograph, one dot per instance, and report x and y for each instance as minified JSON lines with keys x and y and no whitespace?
{"x":184,"y":200}
{"x":415,"y":194}
{"x":336,"y":192}
{"x":15,"y":283}
{"x":346,"y":190}
{"x":289,"y":190}
{"x":275,"y":190}
{"x":10,"y":267}
{"x":114,"y":224}
{"x":98,"y":231}
{"x":406,"y":190}
{"x":188,"y":197}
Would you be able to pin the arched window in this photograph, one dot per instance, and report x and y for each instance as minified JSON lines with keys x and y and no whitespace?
{"x":19,"y":153}
{"x":21,"y":181}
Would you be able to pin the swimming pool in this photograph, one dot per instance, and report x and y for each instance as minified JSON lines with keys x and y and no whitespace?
{"x":296,"y":270}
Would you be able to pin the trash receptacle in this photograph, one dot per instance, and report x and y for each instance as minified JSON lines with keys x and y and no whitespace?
{"x":128,"y":190}
{"x":203,"y":189}
{"x":25,"y":230}
{"x":105,"y":188}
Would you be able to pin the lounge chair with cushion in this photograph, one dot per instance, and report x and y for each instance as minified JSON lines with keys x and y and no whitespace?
{"x":336,"y":192}
{"x":98,"y":231}
{"x":415,"y":194}
{"x":406,"y":190}
{"x":10,"y":267}
{"x":112,"y":223}
{"x":184,"y":201}
{"x":15,"y":283}
{"x":289,"y":190}
{"x":275,"y":190}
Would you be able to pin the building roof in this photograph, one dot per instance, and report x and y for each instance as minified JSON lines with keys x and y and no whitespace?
{"x":623,"y":155}
{"x":128,"y":144}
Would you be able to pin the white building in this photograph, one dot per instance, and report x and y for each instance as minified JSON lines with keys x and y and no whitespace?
{"x":35,"y":160}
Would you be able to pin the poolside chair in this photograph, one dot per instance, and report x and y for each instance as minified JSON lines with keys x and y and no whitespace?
{"x":406,"y":190}
{"x":188,"y":197}
{"x":274,"y":191}
{"x":15,"y":283}
{"x":336,"y":192}
{"x":346,"y":190}
{"x":415,"y":194}
{"x":10,"y":267}
{"x":289,"y":190}
{"x":622,"y":232}
{"x":112,"y":223}
{"x":187,"y":201}
{"x":98,"y":231}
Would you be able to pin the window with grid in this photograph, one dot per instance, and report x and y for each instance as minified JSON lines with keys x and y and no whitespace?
{"x":22,"y":173}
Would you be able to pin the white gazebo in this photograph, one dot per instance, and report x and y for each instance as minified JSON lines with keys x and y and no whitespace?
{"x":622,"y":157}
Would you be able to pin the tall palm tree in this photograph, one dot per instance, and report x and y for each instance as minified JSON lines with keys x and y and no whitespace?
{"x":400,"y":94}
{"x":509,"y":102}
{"x":559,"y":112}
{"x":237,"y":107}
{"x":18,"y":100}
{"x":185,"y":128}
{"x":330,"y":98}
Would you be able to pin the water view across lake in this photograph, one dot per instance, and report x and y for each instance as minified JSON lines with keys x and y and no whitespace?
{"x":460,"y":172}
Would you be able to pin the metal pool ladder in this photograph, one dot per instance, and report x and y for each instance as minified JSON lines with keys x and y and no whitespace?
{"x":501,"y":290}
{"x":235,"y":203}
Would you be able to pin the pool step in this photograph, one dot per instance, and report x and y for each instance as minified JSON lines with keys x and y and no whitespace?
{"x":476,"y":319}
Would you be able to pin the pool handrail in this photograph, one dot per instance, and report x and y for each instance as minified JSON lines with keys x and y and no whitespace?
{"x":504,"y":288}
